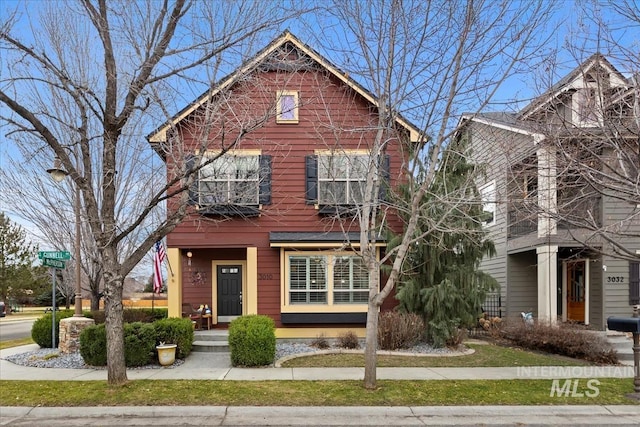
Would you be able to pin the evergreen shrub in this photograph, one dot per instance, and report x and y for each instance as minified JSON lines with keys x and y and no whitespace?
{"x":252,"y":340}
{"x":93,"y":345}
{"x":139,"y":343}
{"x":130,"y":315}
{"x":175,"y":331}
{"x":41,"y":329}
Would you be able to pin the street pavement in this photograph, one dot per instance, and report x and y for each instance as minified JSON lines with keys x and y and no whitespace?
{"x":217,"y":366}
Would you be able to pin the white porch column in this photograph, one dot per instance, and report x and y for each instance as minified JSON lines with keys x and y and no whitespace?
{"x":547,"y":191}
{"x":547,"y":283}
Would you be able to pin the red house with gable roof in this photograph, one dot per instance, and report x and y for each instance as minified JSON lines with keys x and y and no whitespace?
{"x":282,"y":146}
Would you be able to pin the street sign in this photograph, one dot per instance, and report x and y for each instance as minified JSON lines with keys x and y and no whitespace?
{"x":54,"y":255}
{"x":55,"y":263}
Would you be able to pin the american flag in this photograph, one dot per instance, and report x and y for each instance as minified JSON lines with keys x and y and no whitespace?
{"x":158,"y":258}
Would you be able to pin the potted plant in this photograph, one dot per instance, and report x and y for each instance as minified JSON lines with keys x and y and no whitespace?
{"x":166,"y":353}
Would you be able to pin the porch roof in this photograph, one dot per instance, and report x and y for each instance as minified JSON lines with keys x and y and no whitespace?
{"x":316,"y":238}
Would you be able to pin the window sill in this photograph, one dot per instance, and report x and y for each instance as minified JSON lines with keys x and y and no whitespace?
{"x":338,"y":210}
{"x":230,"y":210}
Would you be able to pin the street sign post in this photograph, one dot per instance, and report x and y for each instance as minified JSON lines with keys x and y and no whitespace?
{"x":55,"y":263}
{"x":65,"y":255}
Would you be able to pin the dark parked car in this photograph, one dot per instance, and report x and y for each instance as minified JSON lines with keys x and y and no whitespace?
{"x":2,"y":307}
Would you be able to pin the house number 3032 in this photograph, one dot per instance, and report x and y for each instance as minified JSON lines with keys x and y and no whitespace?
{"x":265,"y":276}
{"x":615,"y":279}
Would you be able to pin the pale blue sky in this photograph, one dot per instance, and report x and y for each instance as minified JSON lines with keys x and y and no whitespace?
{"x":571,"y":31}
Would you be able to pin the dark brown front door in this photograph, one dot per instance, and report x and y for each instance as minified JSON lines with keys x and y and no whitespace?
{"x":576,"y":290}
{"x":229,"y":292}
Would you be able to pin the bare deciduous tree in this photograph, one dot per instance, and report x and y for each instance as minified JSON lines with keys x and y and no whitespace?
{"x":428,"y":61}
{"x":87,"y":77}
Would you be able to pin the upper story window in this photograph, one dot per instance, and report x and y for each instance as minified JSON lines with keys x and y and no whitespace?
{"x":236,"y":183}
{"x":488,"y":197}
{"x":340,"y":178}
{"x":230,"y":179}
{"x":287,"y":106}
{"x":585,"y":110}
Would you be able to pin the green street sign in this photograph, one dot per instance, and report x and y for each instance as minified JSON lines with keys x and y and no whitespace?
{"x":54,"y":255}
{"x":55,"y":263}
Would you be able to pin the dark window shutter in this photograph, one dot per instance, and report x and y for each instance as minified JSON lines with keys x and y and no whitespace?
{"x":265,"y":180}
{"x":189,"y":164}
{"x":634,"y":283}
{"x":311,"y":194}
{"x":385,"y":176}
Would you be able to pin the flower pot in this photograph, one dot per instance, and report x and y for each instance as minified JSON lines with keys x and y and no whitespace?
{"x":166,"y":354}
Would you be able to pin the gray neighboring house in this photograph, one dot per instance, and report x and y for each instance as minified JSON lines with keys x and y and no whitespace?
{"x":551,"y":225}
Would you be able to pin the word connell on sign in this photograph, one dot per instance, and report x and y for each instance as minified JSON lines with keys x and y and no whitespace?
{"x":54,"y":255}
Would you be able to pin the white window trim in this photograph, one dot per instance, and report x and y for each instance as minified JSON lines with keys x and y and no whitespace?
{"x":348,"y":180}
{"x":489,"y":200}
{"x":329,"y":307}
{"x":230,"y":153}
{"x":296,"y":97}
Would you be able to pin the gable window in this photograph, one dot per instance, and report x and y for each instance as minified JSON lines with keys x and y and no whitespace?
{"x":585,"y":107}
{"x":488,"y":198}
{"x":287,"y":106}
{"x":236,"y":183}
{"x":336,"y":279}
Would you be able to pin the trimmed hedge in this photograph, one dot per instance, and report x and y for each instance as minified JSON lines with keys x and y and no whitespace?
{"x":93,"y":345}
{"x":175,"y":331}
{"x":139,"y":343}
{"x":252,"y":340}
{"x":41,"y":329}
{"x":131,"y":315}
{"x":140,"y":340}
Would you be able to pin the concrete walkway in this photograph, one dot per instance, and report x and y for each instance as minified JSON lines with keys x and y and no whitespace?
{"x":212,"y":366}
{"x":217,"y":366}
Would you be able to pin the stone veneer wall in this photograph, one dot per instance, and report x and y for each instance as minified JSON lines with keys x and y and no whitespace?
{"x":70,"y":329}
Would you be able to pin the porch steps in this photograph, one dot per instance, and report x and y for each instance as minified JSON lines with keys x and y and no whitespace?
{"x":622,"y":343}
{"x":213,"y":341}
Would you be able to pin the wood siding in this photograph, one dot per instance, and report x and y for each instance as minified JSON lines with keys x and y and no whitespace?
{"x":522,"y":292}
{"x":495,"y":149}
{"x":331,"y":117}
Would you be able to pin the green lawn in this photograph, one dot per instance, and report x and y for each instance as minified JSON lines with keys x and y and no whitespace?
{"x":305,"y":393}
{"x":611,"y":391}
{"x":484,"y":356}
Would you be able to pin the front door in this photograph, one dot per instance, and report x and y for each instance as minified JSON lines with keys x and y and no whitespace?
{"x":576,"y":291}
{"x":229,"y":292}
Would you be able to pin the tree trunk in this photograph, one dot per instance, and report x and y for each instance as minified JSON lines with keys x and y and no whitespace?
{"x":114,"y":324}
{"x":95,"y":302}
{"x":371,"y":347}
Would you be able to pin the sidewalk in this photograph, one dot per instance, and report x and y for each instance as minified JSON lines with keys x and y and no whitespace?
{"x":217,"y":366}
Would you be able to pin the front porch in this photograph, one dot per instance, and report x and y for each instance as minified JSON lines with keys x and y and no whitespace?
{"x":556,"y":284}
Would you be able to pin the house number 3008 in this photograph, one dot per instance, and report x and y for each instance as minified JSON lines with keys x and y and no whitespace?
{"x":265,"y":276}
{"x":615,"y":279}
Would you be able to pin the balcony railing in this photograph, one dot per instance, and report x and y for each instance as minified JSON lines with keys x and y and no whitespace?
{"x":521,"y":222}
{"x":585,"y":212}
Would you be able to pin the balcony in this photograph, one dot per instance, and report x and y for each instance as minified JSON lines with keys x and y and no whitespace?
{"x":579,"y":212}
{"x":521,"y":222}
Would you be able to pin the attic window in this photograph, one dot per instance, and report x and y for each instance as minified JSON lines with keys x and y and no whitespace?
{"x":585,"y":108}
{"x":287,"y":106}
